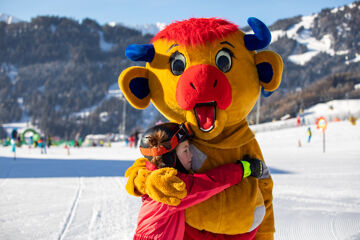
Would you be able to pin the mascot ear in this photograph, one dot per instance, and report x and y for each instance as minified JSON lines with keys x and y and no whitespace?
{"x":134,"y":83}
{"x":269,"y":66}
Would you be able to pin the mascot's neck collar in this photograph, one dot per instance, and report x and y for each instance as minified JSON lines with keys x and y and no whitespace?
{"x":232,"y":137}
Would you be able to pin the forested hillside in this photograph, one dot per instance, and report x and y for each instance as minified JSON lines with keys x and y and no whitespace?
{"x":57,"y":72}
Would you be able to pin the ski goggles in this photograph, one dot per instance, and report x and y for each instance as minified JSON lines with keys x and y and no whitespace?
{"x":181,"y":135}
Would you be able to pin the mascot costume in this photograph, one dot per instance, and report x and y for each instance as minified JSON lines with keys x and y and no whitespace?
{"x":207,"y":72}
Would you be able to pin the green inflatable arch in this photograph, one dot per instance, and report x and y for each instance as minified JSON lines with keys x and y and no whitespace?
{"x":35,"y":134}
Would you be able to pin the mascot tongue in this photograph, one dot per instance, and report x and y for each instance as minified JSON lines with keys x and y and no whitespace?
{"x":205,"y":115}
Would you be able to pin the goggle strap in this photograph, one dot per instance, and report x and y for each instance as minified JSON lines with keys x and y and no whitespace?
{"x":187,"y":129}
{"x":184,"y":131}
{"x":158,"y":151}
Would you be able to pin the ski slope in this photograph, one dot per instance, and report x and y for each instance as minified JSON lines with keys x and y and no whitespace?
{"x":82,"y":195}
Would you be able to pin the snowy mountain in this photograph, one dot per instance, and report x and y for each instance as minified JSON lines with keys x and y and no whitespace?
{"x":62,"y":74}
{"x":307,"y":34}
{"x":58,"y":73}
{"x":9,"y":19}
{"x":318,"y":45}
{"x":321,"y":55}
{"x":151,"y":29}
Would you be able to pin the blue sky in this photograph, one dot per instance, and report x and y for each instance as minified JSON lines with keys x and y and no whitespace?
{"x":132,"y":12}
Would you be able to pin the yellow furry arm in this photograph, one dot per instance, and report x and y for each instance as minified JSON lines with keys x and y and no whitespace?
{"x":267,"y":229}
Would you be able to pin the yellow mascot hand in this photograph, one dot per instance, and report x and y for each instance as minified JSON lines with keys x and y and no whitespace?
{"x":137,"y":175}
{"x":140,"y":180}
{"x":164,"y":186}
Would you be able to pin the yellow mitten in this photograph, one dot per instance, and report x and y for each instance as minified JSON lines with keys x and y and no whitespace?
{"x":164,"y":186}
{"x":137,"y":175}
{"x":140,"y":180}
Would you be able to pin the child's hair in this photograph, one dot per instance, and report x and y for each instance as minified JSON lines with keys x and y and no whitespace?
{"x":158,"y":144}
{"x":158,"y":139}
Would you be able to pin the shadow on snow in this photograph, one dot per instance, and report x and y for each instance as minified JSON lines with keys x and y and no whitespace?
{"x":278,"y":171}
{"x":58,"y":168}
{"x":48,"y":168}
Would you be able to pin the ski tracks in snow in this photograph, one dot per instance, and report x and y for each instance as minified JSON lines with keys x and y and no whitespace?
{"x":95,"y":220}
{"x":100,"y":209}
{"x":95,"y":226}
{"x":73,"y":208}
{"x":110,"y":211}
{"x":299,"y":223}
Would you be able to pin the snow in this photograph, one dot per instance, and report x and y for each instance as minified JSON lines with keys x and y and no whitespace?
{"x":152,"y":29}
{"x":104,"y":46}
{"x":81,"y":194}
{"x":112,"y":24}
{"x":41,"y":89}
{"x":53,"y":28}
{"x":8,"y":19}
{"x":356,"y":59}
{"x":275,"y":35}
{"x":10,"y":70}
{"x":304,"y":37}
{"x":302,"y":59}
{"x":160,"y":25}
{"x":113,"y":91}
{"x":316,"y":194}
{"x":149,"y":28}
{"x":352,"y":5}
{"x":332,"y":110}
{"x":314,"y":46}
{"x":335,"y":10}
{"x":22,"y":126}
{"x":85,"y":112}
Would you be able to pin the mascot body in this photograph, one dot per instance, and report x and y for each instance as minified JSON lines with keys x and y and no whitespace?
{"x":207,"y":72}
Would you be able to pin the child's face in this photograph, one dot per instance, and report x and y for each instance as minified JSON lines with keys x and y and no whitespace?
{"x":184,"y":154}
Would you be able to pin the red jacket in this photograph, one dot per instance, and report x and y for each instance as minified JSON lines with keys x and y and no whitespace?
{"x":160,"y":221}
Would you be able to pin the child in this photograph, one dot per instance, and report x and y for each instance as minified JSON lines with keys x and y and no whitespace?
{"x":167,"y":146}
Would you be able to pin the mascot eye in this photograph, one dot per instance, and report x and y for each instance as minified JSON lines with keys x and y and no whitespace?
{"x":223,"y":60}
{"x":177,"y":63}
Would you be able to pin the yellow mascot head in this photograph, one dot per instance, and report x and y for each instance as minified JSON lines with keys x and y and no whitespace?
{"x":204,"y":71}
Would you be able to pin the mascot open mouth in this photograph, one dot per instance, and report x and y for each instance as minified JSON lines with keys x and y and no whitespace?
{"x":205,"y":115}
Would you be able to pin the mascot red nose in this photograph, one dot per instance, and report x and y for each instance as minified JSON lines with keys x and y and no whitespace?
{"x":202,"y":88}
